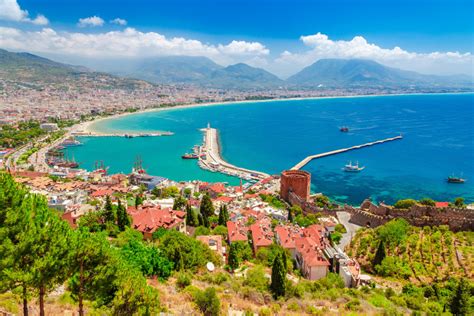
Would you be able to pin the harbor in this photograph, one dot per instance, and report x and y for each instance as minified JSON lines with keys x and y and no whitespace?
{"x":210,"y":158}
{"x":122,"y":134}
{"x":305,"y":161}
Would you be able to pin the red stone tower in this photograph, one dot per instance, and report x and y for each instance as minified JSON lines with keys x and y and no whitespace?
{"x":296,"y":181}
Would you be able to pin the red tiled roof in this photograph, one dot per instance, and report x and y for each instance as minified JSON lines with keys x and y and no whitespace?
{"x":225,"y":199}
{"x":286,"y":236}
{"x":441,"y":204}
{"x":102,"y":192}
{"x":217,"y":187}
{"x":312,"y":255}
{"x":262,"y":235}
{"x":151,"y":218}
{"x":236,"y":231}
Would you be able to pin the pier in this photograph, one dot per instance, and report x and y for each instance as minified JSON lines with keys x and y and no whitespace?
{"x":121,"y":134}
{"x":211,"y":159}
{"x":305,"y":161}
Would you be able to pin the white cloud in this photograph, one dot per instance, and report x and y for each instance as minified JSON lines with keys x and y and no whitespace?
{"x":119,"y":21}
{"x":322,"y":47}
{"x":91,"y":21}
{"x":10,"y":10}
{"x":127,"y":43}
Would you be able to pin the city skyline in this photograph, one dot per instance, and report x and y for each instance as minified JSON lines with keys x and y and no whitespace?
{"x":280,"y":38}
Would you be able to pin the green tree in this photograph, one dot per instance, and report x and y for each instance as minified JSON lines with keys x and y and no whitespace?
{"x":88,"y":258}
{"x":404,"y":204}
{"x":427,"y":202}
{"x":123,"y":220}
{"x":278,"y":282}
{"x":138,"y":200}
{"x":290,"y":215}
{"x":379,"y":254}
{"x":179,"y":203}
{"x":460,"y":304}
{"x":191,"y":217}
{"x":233,"y":260}
{"x":223,"y":215}
{"x":256,"y":278}
{"x":206,"y":208}
{"x":220,"y":230}
{"x":208,"y":302}
{"x":108,"y":212}
{"x":459,"y":202}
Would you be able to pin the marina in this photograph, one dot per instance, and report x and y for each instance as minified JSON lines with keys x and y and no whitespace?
{"x":210,"y":159}
{"x":305,"y":161}
{"x":122,"y":134}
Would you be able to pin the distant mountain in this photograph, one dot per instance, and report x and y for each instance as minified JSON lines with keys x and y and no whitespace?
{"x":37,"y":72}
{"x":359,"y":73}
{"x":200,"y":71}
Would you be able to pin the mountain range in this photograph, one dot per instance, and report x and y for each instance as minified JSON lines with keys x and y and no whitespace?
{"x":201,"y":71}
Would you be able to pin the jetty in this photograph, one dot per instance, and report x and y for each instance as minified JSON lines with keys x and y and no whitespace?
{"x":121,"y":134}
{"x":305,"y":161}
{"x":210,"y":159}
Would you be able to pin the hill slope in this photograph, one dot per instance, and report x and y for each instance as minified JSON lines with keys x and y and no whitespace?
{"x":36,"y":72}
{"x":367,"y":73}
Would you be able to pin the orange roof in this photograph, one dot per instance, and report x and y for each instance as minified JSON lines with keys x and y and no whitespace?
{"x":262,"y":235}
{"x":102,"y":192}
{"x":286,"y":235}
{"x":236,"y":231}
{"x":151,"y":218}
{"x":225,"y":199}
{"x":312,"y":255}
{"x":217,"y":187}
{"x":441,"y":204}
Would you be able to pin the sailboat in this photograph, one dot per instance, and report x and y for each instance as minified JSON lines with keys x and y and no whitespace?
{"x":353,"y":168}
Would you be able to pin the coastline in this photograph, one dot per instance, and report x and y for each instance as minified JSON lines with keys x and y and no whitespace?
{"x":87,"y":128}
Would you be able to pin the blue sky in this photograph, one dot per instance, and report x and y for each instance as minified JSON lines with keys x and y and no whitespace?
{"x":422,"y":29}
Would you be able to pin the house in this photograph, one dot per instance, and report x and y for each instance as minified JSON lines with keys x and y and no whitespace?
{"x":75,"y":212}
{"x":310,"y":259}
{"x":214,"y":242}
{"x":236,"y":231}
{"x":147,"y":220}
{"x":441,"y":204}
{"x":262,"y":235}
{"x":285,"y":236}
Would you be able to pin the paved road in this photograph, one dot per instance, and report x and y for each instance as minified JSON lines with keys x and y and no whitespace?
{"x":351,"y":228}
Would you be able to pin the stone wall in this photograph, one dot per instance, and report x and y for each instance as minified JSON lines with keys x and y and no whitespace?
{"x":297,"y":182}
{"x":372,"y":215}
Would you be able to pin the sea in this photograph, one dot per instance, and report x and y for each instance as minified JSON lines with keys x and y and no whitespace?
{"x":437,"y":130}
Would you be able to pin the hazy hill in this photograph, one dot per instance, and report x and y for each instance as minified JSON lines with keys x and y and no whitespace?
{"x":367,"y":73}
{"x":200,"y":71}
{"x":35,"y":72}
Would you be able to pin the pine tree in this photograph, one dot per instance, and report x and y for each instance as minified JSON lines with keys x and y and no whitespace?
{"x":108,"y":213}
{"x":191,"y":217}
{"x":233,"y":259}
{"x":123,"y":220}
{"x":460,"y":301}
{"x":200,"y":219}
{"x":205,"y":221}
{"x":206,"y":207}
{"x":379,"y":255}
{"x":278,"y":284}
{"x":223,"y":215}
{"x":138,"y":200}
{"x":290,"y":215}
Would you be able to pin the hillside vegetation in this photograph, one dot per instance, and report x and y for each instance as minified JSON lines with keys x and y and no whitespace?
{"x":420,"y":255}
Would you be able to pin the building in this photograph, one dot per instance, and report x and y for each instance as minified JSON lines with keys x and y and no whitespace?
{"x":285,"y":236}
{"x":262,"y":234}
{"x":310,"y":259}
{"x":297,"y":182}
{"x":236,"y":231}
{"x":214,"y":242}
{"x":49,"y":127}
{"x":147,"y":220}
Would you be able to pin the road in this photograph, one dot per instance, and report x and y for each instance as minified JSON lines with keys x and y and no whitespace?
{"x":344,"y":218}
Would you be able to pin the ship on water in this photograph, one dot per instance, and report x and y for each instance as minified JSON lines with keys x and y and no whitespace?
{"x":454,"y":179}
{"x":353,"y":168}
{"x":70,"y":142}
{"x":344,"y":129}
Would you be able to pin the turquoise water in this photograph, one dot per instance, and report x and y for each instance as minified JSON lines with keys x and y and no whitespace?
{"x":438,"y":140}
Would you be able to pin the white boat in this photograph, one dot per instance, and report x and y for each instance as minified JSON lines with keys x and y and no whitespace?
{"x":353,"y":168}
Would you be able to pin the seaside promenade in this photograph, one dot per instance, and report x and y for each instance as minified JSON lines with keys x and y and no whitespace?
{"x":212,"y":160}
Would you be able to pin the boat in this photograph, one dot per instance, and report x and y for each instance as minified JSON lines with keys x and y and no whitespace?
{"x":454,"y":179}
{"x":70,"y":142}
{"x":128,"y":136}
{"x":353,"y":168}
{"x":100,"y":168}
{"x":138,"y":166}
{"x":190,"y":156}
{"x":344,"y":129}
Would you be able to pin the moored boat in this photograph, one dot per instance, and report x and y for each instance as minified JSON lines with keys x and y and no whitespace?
{"x":454,"y":179}
{"x":353,"y":168}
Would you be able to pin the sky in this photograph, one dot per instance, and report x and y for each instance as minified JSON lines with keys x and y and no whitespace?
{"x":428,"y":36}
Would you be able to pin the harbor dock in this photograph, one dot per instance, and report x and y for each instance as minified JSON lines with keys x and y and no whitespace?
{"x":121,"y":134}
{"x":210,"y":159}
{"x":305,"y":161}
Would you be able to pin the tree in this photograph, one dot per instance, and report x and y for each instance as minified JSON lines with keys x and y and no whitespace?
{"x":223,"y":215}
{"x":191,"y":216}
{"x":427,"y":202}
{"x":88,"y":258}
{"x":208,"y":302}
{"x":123,"y":220}
{"x":51,"y":250}
{"x":459,"y":202}
{"x":206,"y":208}
{"x":290,"y":215}
{"x":256,"y":278}
{"x":138,"y":200}
{"x":205,"y":221}
{"x":179,"y":203}
{"x":460,"y":304}
{"x":379,"y":254}
{"x":404,"y":204}
{"x":233,"y":259}
{"x":278,"y":282}
{"x":108,"y":212}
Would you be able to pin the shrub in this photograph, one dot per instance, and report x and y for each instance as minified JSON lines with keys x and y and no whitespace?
{"x":256,"y":278}
{"x":404,"y":204}
{"x":353,"y":305}
{"x":183,"y":280}
{"x":208,"y":302}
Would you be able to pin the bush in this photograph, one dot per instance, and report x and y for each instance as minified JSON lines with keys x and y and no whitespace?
{"x":404,"y":204}
{"x":183,"y":280}
{"x":256,"y":278}
{"x":208,"y":302}
{"x":353,"y":305}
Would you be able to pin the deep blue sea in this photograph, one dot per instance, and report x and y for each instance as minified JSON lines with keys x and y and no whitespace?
{"x":438,"y":141}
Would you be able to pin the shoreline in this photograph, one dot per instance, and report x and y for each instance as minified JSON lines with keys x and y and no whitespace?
{"x":86,"y":127}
